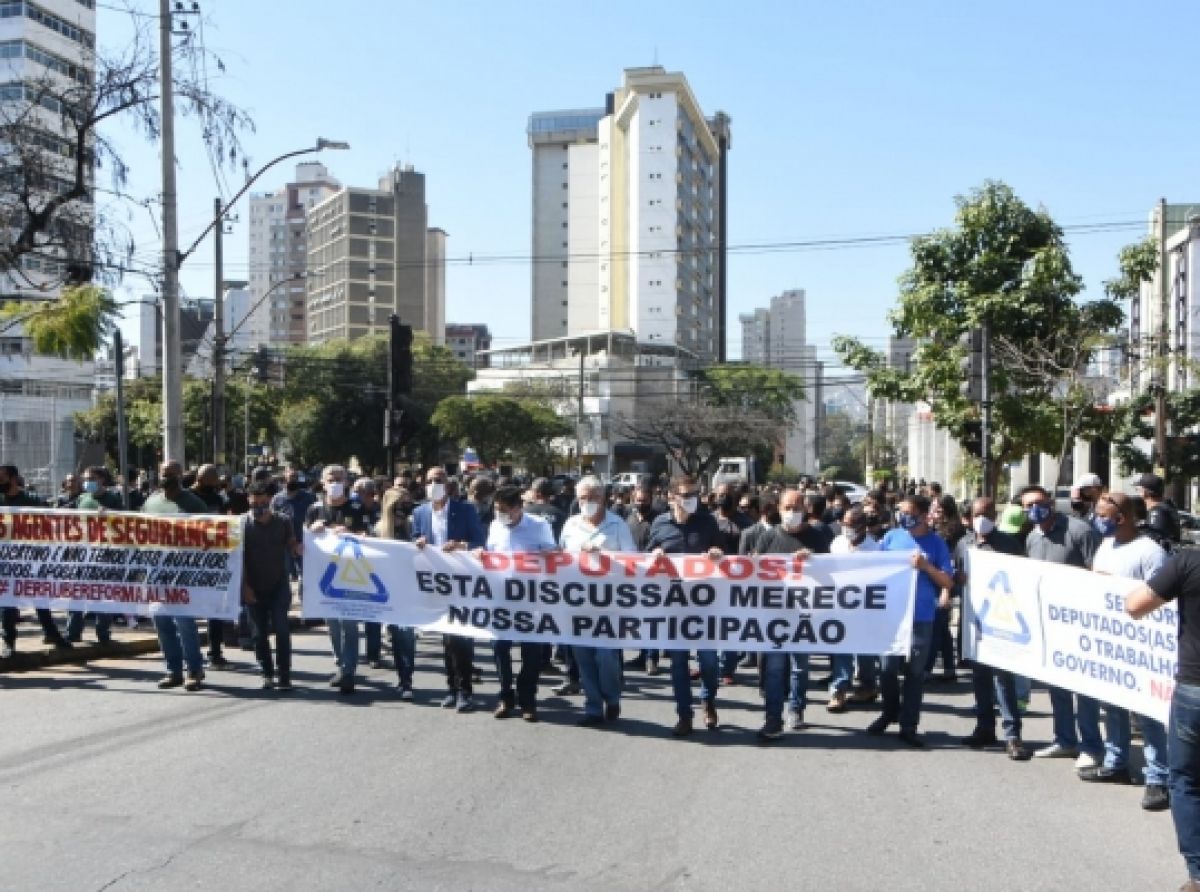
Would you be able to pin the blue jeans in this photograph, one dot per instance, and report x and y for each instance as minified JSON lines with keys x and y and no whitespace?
{"x":1183,"y":756}
{"x":994,"y":686}
{"x":600,"y":675}
{"x":681,"y":682}
{"x":903,"y":704}
{"x":343,"y":635}
{"x":1118,"y":740}
{"x":373,"y":632}
{"x":180,"y":642}
{"x":776,"y":667}
{"x":729,"y":662}
{"x":1071,"y":709}
{"x":841,"y":668}
{"x":532,"y":660}
{"x":75,"y":622}
{"x":798,"y":692}
{"x":404,"y":649}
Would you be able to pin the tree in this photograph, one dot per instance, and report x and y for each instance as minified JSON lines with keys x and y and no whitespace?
{"x":843,"y":446}
{"x":55,"y":129}
{"x":1135,"y":429}
{"x":772,"y":393}
{"x":1005,"y":264}
{"x":697,"y":435}
{"x":497,"y":426}
{"x":71,"y":327}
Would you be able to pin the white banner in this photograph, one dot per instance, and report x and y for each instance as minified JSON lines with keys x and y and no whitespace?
{"x":1068,"y":627}
{"x":120,"y":562}
{"x":827,"y":604}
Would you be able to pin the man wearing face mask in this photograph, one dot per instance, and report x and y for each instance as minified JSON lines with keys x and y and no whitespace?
{"x":94,"y":496}
{"x":641,"y":515}
{"x":268,"y":540}
{"x":725,"y":515}
{"x":482,"y":492}
{"x":797,"y":536}
{"x":1129,"y":552}
{"x":293,"y":503}
{"x":1060,"y":539}
{"x":178,"y":636}
{"x":855,"y":537}
{"x":991,"y":685}
{"x":595,"y":529}
{"x":515,"y":530}
{"x":1084,"y":495}
{"x":450,"y":525}
{"x":686,"y":529}
{"x":337,"y":512}
{"x":207,"y":489}
{"x":931,"y":557}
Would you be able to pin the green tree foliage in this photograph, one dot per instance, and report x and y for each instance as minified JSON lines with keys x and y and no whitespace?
{"x":1136,"y":428}
{"x":498,"y":427}
{"x":772,"y":393}
{"x":1008,"y":264}
{"x":72,"y":326}
{"x":843,"y":446}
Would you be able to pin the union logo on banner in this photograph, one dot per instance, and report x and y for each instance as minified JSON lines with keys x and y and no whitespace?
{"x":350,"y":576}
{"x":999,"y":616}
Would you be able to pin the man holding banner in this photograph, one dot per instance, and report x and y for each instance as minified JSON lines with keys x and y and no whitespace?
{"x":1060,"y":539}
{"x":1127,"y":551}
{"x":1179,"y":582}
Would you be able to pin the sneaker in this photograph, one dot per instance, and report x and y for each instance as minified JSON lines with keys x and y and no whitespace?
{"x":911,"y":737}
{"x":1156,"y":798}
{"x":772,"y":729}
{"x":503,"y":711}
{"x":652,"y":667}
{"x":1087,"y":760}
{"x":567,"y":688}
{"x":406,"y":692}
{"x":1103,"y":775}
{"x":284,"y":683}
{"x":1022,"y":706}
{"x":796,"y":720}
{"x":1056,"y":751}
{"x":612,"y":712}
{"x":1016,"y":751}
{"x":980,"y":739}
{"x":464,"y":704}
{"x":837,"y":702}
{"x":449,"y":701}
{"x":710,"y":715}
{"x":530,"y":714}
{"x":6,"y":650}
{"x":591,"y":721}
{"x":193,"y":681}
{"x":877,"y":727}
{"x":218,"y":662}
{"x":335,"y":680}
{"x":683,"y":727}
{"x":170,"y":681}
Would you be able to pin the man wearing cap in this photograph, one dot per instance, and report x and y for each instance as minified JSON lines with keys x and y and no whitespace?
{"x":1084,"y":494}
{"x":1162,"y":520}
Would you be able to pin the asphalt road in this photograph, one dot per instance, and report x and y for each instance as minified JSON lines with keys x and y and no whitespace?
{"x":107,"y":783}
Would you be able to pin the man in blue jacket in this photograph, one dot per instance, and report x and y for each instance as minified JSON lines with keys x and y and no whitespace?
{"x":451,"y":525}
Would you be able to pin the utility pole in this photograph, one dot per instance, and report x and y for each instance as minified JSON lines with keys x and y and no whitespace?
{"x":579,"y":419}
{"x":172,"y":379}
{"x":985,"y":405}
{"x":122,"y":430}
{"x":1164,"y":350}
{"x":218,"y":350}
{"x":869,"y":463}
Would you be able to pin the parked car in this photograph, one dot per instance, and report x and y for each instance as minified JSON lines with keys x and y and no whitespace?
{"x":856,"y":492}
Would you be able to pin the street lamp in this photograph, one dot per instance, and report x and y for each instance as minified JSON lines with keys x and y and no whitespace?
{"x":173,"y":444}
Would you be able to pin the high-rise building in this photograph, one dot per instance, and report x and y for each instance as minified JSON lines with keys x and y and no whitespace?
{"x":467,"y":341}
{"x":756,"y":336}
{"x":195,"y":332}
{"x":279,"y":255}
{"x":50,"y":41}
{"x":629,"y":217}
{"x":369,"y":256}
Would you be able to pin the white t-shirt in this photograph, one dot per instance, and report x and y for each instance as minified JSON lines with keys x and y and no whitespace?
{"x":1140,"y":558}
{"x":843,"y":545}
{"x":611,"y":535}
{"x":530,"y":534}
{"x":439,"y":523}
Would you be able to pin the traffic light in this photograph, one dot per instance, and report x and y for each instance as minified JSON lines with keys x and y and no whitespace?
{"x":400,"y":369}
{"x":262,"y":365}
{"x":971,"y":365}
{"x":972,"y":438}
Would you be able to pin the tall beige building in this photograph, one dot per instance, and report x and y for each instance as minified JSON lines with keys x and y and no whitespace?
{"x":371,"y":254}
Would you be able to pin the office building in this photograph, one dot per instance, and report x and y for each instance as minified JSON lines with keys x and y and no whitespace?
{"x":369,"y":256}
{"x":467,"y":342}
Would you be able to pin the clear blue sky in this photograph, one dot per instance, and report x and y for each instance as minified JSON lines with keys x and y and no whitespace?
{"x":848,"y":120}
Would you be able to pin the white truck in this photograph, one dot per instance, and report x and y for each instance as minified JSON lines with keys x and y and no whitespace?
{"x":735,"y":471}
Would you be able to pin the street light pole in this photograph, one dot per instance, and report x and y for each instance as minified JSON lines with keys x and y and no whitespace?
{"x":218,"y":349}
{"x":172,"y":380}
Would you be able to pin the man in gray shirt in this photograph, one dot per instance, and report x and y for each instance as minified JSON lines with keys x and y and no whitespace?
{"x":1061,"y":539}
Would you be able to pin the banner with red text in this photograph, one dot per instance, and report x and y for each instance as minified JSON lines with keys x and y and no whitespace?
{"x":859,"y":603}
{"x":119,"y":562}
{"x":1068,"y":627}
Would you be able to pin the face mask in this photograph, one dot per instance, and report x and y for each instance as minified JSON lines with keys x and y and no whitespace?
{"x":293,"y":487}
{"x":1105,"y":526}
{"x":336,"y":490}
{"x":259,"y":510}
{"x":689,"y":506}
{"x":838,"y":514}
{"x":436,"y":491}
{"x":792,"y":520}
{"x":91,"y":486}
{"x":590,"y":508}
{"x":983,"y":525}
{"x":1038,"y":512}
{"x":908,"y":521}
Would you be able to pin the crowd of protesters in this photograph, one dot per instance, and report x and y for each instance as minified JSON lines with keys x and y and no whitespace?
{"x":1107,"y":532}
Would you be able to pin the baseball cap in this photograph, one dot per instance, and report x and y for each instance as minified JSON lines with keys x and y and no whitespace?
{"x":1011,"y":520}
{"x":1088,"y":480}
{"x":1152,"y":482}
